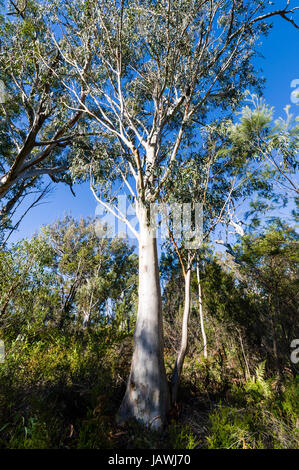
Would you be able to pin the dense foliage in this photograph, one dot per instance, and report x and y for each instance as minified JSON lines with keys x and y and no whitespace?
{"x":63,"y":377}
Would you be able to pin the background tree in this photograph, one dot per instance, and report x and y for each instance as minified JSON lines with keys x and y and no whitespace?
{"x":275,"y":144}
{"x":66,"y":277}
{"x":36,"y":130}
{"x":269,"y":266}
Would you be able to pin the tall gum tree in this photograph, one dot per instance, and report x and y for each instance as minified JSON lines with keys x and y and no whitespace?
{"x":159,"y":71}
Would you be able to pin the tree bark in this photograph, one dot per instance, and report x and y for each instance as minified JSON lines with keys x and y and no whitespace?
{"x":175,"y":380}
{"x":147,"y":394}
{"x":202,"y":326}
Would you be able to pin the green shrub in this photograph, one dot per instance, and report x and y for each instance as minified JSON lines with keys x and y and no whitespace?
{"x":181,"y":437}
{"x":50,"y":382}
{"x":259,"y":416}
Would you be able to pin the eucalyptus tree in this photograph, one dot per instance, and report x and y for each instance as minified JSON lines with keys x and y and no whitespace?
{"x":221,"y":177}
{"x":262,"y":156}
{"x":269,"y":265}
{"x":181,"y":353}
{"x":93,"y":274}
{"x":65,"y":277}
{"x":159,"y":71}
{"x":36,"y":131}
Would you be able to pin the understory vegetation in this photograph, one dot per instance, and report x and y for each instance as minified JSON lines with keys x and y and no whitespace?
{"x":68,"y":334}
{"x":186,"y":338}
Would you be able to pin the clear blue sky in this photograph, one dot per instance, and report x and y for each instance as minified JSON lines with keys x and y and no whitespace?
{"x":279,"y":66}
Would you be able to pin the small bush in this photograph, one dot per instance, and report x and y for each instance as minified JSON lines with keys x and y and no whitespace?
{"x":181,"y":437}
{"x":259,"y":417}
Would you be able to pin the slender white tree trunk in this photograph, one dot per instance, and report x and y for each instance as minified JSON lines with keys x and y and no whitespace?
{"x":202,"y":326}
{"x":175,"y":380}
{"x":147,"y":394}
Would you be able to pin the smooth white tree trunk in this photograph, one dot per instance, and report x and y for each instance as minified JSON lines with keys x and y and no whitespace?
{"x":175,"y":380}
{"x":147,"y":394}
{"x":202,"y":326}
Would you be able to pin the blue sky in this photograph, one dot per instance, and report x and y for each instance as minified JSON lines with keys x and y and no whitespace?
{"x":279,"y":64}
